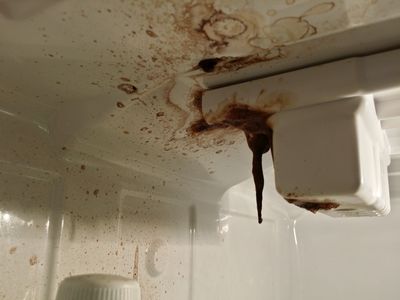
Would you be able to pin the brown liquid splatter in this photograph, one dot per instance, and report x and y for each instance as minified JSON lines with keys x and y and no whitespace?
{"x":259,"y":138}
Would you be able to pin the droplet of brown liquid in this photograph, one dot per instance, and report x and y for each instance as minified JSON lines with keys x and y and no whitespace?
{"x":120,"y":104}
{"x":127,"y":88}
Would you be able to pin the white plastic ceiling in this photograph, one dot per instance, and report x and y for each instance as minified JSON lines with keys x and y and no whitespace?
{"x":61,"y":63}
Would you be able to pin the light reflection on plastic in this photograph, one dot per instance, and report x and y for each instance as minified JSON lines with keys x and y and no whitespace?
{"x":223,"y":228}
{"x":8,"y":218}
{"x":7,"y":112}
{"x":295,"y":233}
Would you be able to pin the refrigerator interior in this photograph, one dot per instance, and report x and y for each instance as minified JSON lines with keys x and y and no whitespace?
{"x":97,"y":165}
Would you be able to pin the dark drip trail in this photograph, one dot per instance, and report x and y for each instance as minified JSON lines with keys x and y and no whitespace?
{"x":259,"y":138}
{"x":258,"y":144}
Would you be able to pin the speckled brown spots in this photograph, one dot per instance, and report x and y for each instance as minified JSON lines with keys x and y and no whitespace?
{"x":83,"y":167}
{"x":120,"y":104}
{"x":126,"y":132}
{"x":64,"y":148}
{"x":12,"y":250}
{"x":33,"y":260}
{"x":127,"y":88}
{"x":160,"y":114}
{"x":96,"y":192}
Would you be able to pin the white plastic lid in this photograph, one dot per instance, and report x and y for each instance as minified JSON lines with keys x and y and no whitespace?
{"x":98,"y":287}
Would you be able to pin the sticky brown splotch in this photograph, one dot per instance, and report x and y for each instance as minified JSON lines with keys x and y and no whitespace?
{"x":226,"y":63}
{"x":120,"y":104}
{"x":313,"y":207}
{"x":151,"y":33}
{"x":127,"y":88}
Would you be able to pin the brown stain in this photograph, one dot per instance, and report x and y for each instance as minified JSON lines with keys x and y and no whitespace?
{"x":127,"y":88}
{"x":83,"y":167}
{"x":243,"y":31}
{"x":213,"y":30}
{"x":229,"y":64}
{"x":151,"y":33}
{"x":219,"y":28}
{"x":12,"y":250}
{"x":274,"y":102}
{"x":33,"y":260}
{"x":120,"y":104}
{"x":179,"y":127}
{"x":201,"y":126}
{"x":208,"y":64}
{"x":313,"y":207}
{"x":135,"y":270}
{"x":293,"y":28}
{"x":96,"y":192}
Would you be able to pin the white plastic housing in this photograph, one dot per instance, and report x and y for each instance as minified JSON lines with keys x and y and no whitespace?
{"x":333,"y":152}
